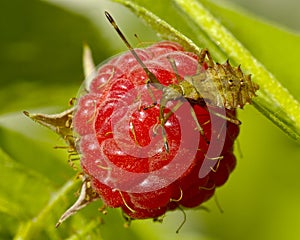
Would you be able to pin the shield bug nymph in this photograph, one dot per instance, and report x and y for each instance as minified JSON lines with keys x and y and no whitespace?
{"x":218,"y":85}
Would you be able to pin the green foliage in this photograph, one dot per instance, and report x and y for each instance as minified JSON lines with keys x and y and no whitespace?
{"x":41,"y":69}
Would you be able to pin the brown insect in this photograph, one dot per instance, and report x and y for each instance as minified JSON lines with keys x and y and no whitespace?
{"x":219,"y":85}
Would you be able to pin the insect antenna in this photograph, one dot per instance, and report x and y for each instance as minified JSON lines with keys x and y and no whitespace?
{"x":151,"y":76}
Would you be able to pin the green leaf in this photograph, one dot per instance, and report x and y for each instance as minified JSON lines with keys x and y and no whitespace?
{"x":36,"y":154}
{"x":19,"y":186}
{"x":30,"y":229}
{"x":40,"y":54}
{"x":273,"y":100}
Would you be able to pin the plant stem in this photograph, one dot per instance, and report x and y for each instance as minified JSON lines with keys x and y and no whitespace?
{"x":273,"y":100}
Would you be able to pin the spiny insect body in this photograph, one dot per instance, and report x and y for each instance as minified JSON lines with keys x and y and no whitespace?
{"x":219,"y":85}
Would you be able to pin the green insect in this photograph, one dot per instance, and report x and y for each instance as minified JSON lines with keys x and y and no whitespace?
{"x":219,"y":85}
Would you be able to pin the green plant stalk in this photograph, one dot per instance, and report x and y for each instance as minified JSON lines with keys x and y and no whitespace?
{"x":273,"y":100}
{"x":29,"y":229}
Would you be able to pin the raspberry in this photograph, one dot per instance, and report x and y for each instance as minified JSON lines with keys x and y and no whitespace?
{"x":121,"y":139}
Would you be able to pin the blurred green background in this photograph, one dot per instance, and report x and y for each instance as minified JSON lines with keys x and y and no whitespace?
{"x":41,"y":69}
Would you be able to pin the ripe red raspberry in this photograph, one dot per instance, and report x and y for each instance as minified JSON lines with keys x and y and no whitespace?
{"x":121,"y":139}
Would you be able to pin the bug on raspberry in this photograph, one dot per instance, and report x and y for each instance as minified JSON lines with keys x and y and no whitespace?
{"x":219,"y":85}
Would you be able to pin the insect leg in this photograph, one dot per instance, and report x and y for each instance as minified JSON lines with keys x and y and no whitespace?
{"x":169,"y":94}
{"x":200,"y":129}
{"x":227,"y":118}
{"x":152,"y":96}
{"x":197,"y":123}
{"x":204,"y":52}
{"x":164,"y":118}
{"x":173,"y":64}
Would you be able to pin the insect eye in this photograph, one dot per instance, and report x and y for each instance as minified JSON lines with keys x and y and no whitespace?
{"x":230,"y":81}
{"x":242,"y":82}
